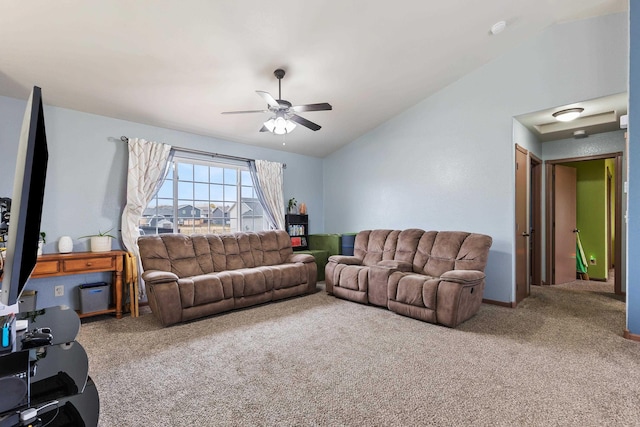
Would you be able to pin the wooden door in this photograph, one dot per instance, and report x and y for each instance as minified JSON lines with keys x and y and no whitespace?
{"x":522,"y":226}
{"x":535,"y":221}
{"x":564,"y":224}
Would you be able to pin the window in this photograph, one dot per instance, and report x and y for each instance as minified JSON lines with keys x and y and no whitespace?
{"x":199,"y":197}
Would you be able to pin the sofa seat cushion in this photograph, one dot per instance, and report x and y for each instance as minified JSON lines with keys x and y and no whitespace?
{"x":203,"y":289}
{"x":413,"y":295}
{"x":413,"y":289}
{"x":285,"y":275}
{"x":354,"y":277}
{"x":246,"y":281}
{"x":352,"y":282}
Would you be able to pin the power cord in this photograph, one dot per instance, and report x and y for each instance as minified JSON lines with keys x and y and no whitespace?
{"x":31,"y":413}
{"x":53,"y":418}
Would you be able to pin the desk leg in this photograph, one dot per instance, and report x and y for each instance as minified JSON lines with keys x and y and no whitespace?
{"x":118,"y":284}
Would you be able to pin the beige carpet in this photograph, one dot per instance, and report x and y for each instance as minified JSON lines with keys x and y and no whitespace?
{"x":558,"y":359}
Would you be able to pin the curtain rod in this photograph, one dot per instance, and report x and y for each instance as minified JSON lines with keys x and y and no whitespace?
{"x":206,"y":153}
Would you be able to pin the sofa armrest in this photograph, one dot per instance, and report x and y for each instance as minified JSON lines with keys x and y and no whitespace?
{"x":337,"y":262}
{"x":310,"y":265}
{"x":396,"y":265}
{"x":304,"y":258}
{"x":459,"y":296}
{"x":463,"y":276}
{"x":345,"y":259}
{"x":378,"y":291}
{"x":164,"y":297}
{"x":157,"y":276}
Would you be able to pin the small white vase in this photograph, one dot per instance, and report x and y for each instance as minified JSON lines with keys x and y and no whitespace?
{"x":40,"y":245}
{"x":100,"y":243}
{"x":65,"y":245}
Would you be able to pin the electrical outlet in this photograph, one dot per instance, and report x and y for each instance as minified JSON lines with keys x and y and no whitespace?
{"x":58,"y":290}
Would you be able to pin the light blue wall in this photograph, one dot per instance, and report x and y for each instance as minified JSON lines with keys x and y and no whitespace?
{"x":633,"y":226}
{"x":447,"y":163}
{"x":526,"y":139}
{"x":86,"y":177}
{"x":594,"y":145}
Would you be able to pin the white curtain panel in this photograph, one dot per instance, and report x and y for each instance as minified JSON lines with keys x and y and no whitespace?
{"x":271,"y":182}
{"x":148,"y":165}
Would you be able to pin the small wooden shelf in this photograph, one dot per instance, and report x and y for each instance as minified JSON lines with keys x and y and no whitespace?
{"x":298,"y":229}
{"x":110,"y":310}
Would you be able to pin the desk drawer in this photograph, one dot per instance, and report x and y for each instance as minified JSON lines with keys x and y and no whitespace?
{"x":46,"y":267}
{"x":88,"y":264}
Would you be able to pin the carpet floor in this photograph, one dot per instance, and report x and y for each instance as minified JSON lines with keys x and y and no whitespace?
{"x":557,"y":359}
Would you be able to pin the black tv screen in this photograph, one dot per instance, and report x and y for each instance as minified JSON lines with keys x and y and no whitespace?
{"x":26,"y":206}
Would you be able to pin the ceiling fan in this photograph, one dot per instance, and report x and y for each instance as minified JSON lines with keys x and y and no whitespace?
{"x":285,"y":118}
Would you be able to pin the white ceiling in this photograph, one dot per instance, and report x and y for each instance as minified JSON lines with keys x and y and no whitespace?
{"x":599,"y":115}
{"x":179,"y":64}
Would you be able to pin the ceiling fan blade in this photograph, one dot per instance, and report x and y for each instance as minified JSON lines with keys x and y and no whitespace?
{"x":243,"y":112}
{"x":311,"y":107}
{"x":304,"y":122}
{"x":264,"y":129}
{"x":267,"y":97}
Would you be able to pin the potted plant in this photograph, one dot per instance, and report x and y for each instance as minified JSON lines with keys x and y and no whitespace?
{"x":41,"y":242}
{"x":100,"y":242}
{"x":292,"y":206}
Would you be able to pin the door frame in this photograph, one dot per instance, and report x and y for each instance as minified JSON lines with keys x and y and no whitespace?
{"x":535,"y":165}
{"x":550,"y":215}
{"x":522,"y":224}
{"x":533,"y":197}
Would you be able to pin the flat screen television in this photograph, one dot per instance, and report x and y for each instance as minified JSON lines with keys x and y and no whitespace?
{"x":27,"y":198}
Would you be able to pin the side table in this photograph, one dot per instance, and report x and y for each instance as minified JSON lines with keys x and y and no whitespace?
{"x":53,"y":265}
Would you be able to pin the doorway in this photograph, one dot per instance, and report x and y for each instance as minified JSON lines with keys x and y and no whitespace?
{"x":613,"y":209}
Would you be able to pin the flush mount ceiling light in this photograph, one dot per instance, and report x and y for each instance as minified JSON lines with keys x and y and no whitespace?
{"x":568,"y":114}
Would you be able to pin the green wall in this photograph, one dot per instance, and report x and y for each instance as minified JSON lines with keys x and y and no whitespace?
{"x":591,"y":214}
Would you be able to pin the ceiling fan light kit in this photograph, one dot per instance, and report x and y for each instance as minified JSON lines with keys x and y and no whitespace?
{"x":285,"y":118}
{"x":568,"y":114}
{"x":279,"y":125}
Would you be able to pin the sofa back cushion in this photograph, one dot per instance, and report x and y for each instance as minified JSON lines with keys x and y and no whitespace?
{"x":188,"y":256}
{"x":407,"y":246}
{"x":169,"y":252}
{"x":443,"y":251}
{"x":373,"y":246}
{"x":429,"y":252}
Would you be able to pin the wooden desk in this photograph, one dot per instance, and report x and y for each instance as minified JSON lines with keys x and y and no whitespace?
{"x":52,"y":265}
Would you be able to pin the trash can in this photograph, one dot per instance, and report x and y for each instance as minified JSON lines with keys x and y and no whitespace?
{"x":27,"y":301}
{"x":348,"y":241}
{"x":94,"y":297}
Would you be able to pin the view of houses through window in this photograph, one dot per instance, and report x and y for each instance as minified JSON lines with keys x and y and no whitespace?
{"x":199,"y":197}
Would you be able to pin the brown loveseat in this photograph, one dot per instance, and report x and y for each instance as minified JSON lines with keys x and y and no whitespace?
{"x":433,"y":276}
{"x":188,"y":277}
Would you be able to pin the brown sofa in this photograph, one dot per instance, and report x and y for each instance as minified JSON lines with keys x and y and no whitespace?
{"x":433,"y":276}
{"x":188,"y":277}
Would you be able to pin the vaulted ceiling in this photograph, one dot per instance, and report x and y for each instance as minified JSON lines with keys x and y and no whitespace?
{"x":179,"y":64}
